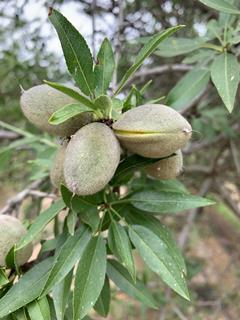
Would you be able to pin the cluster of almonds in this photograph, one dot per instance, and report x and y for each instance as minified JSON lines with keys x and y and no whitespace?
{"x":89,"y":160}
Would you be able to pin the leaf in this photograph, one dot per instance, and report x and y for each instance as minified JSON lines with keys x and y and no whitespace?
{"x":90,"y":276}
{"x":71,"y":222}
{"x":225,"y":76}
{"x":221,"y":5}
{"x":162,"y":232}
{"x":76,"y":52}
{"x":39,"y":310}
{"x":119,"y":275}
{"x":167,"y":202}
{"x":145,"y":52}
{"x":68,"y":111}
{"x":66,"y":258}
{"x":104,"y":68}
{"x":120,"y":246}
{"x":66,"y":195}
{"x":188,"y":88}
{"x":117,"y":106}
{"x":40,"y":223}
{"x":157,"y":256}
{"x":3,"y":278}
{"x":60,"y":296}
{"x":133,"y":99}
{"x":103,"y":302}
{"x":27,"y":289}
{"x":70,"y":92}
{"x":177,"y":46}
{"x":128,"y":166}
{"x":20,"y":314}
{"x":87,"y":210}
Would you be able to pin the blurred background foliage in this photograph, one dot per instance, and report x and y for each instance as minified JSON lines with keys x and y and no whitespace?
{"x":30,"y":53}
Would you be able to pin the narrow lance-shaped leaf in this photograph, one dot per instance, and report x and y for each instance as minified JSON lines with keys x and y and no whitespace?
{"x":60,"y":295}
{"x":71,"y":93}
{"x":145,"y":52}
{"x":20,"y":314}
{"x":104,"y":68}
{"x":190,"y":87}
{"x":76,"y":52}
{"x":167,"y":202}
{"x":103,"y":302}
{"x":40,"y":223}
{"x":89,"y":279}
{"x":39,"y":310}
{"x":68,"y":111}
{"x":67,"y":257}
{"x":119,"y":275}
{"x":120,"y":246}
{"x":159,"y":258}
{"x":27,"y":289}
{"x":225,"y":76}
{"x":221,"y":5}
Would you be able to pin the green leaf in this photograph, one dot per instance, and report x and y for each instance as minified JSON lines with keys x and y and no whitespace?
{"x":103,"y":302}
{"x":120,"y":246}
{"x":11,"y":261}
{"x":145,"y":52}
{"x":221,"y":5}
{"x":21,"y":314}
{"x":70,"y":92}
{"x":76,"y":52}
{"x":39,"y":310}
{"x":117,"y":106}
{"x":177,"y":46}
{"x":3,"y":278}
{"x":128,"y":166}
{"x":162,"y":232}
{"x":60,"y":296}
{"x":188,"y":88}
{"x":120,"y":276}
{"x":133,"y":99}
{"x":67,"y":257}
{"x":167,"y":202}
{"x":27,"y":289}
{"x":66,"y":195}
{"x":87,"y":210}
{"x":225,"y":76}
{"x":68,"y":111}
{"x":104,"y":68}
{"x":90,"y":276}
{"x":157,"y":256}
{"x":71,"y":222}
{"x":40,"y":223}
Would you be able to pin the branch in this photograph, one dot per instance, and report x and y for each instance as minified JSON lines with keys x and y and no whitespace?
{"x":159,"y":70}
{"x":16,"y":200}
{"x":5,"y":134}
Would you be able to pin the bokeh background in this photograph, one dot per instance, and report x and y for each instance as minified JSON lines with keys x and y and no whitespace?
{"x":30,"y":52}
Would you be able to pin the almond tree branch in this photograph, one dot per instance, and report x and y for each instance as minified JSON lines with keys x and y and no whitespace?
{"x":5,"y":134}
{"x":15,"y":201}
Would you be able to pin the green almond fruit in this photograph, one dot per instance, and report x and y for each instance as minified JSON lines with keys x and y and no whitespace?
{"x":152,"y":130}
{"x":168,"y":168}
{"x":92,"y":156}
{"x":40,"y":102}
{"x":12,"y":230}
{"x":56,"y":172}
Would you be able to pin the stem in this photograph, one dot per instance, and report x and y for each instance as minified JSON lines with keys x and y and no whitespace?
{"x":212,"y":46}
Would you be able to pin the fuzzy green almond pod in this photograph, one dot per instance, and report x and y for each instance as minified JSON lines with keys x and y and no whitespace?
{"x":12,"y":230}
{"x":56,"y":172}
{"x":91,"y":159}
{"x":168,"y":168}
{"x":152,"y":130}
{"x":40,"y":102}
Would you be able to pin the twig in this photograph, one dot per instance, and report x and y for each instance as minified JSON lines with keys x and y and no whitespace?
{"x":235,"y":156}
{"x":5,"y":134}
{"x":16,"y":200}
{"x":120,"y":21}
{"x":159,"y":70}
{"x":179,"y":313}
{"x":183,"y":237}
{"x":40,"y":194}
